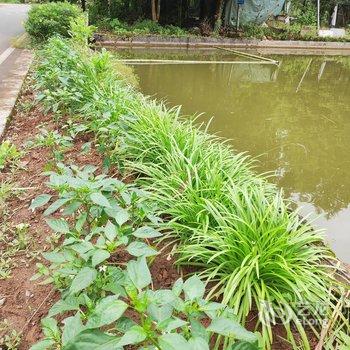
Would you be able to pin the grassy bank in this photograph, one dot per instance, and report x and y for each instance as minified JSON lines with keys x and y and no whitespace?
{"x":232,"y":223}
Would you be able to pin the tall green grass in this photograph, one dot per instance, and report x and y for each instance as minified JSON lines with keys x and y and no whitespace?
{"x":232,"y":223}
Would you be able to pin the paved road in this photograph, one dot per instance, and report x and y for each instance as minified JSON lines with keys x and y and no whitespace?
{"x":11,"y":25}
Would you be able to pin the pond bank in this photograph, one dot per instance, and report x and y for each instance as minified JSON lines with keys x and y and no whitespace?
{"x":312,"y":47}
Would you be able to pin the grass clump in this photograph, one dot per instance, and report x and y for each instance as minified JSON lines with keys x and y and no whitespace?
{"x":252,"y":247}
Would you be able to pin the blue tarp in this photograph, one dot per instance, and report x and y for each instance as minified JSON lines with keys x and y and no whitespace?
{"x":252,"y":11}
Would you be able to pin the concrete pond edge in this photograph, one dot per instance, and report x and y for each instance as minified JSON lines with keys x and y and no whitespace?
{"x":107,"y":40}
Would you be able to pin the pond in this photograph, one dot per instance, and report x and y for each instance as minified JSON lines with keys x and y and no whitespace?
{"x":295,"y":117}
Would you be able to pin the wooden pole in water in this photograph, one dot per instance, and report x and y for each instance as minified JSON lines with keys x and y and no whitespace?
{"x":323,"y":66}
{"x":155,"y":61}
{"x":318,"y":16}
{"x":245,"y":54}
{"x":302,"y":78}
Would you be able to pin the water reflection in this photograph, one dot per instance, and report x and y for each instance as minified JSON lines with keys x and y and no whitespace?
{"x":295,"y":116}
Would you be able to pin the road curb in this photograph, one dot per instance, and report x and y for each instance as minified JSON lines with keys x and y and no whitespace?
{"x":10,"y":87}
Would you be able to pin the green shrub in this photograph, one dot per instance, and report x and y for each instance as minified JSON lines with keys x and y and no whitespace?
{"x":150,"y":27}
{"x":256,"y":31}
{"x":50,"y":19}
{"x":307,"y":14}
{"x":144,"y":27}
{"x":120,"y":28}
{"x":174,"y":30}
{"x":147,"y":26}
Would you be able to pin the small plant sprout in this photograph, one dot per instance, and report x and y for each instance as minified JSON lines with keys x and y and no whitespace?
{"x":22,"y":238}
{"x":6,"y":190}
{"x":53,"y":140}
{"x":9,"y":154}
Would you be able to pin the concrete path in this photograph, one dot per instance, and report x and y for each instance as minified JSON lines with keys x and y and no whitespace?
{"x":11,"y":25}
{"x":14,"y":63}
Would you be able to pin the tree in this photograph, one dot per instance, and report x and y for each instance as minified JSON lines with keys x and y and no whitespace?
{"x":218,"y":15}
{"x":155,"y":10}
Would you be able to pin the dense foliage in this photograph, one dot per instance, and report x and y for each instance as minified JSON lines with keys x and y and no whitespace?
{"x":255,"y":251}
{"x":49,"y":19}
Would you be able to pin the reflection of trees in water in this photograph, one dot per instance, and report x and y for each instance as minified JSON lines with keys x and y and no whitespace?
{"x":304,"y":135}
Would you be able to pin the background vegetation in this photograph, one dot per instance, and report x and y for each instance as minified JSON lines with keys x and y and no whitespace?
{"x":204,"y":17}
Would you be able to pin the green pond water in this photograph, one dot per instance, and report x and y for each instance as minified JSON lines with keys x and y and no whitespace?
{"x":295,"y":117}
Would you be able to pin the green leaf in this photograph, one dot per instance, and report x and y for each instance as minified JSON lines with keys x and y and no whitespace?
{"x":165,"y":296}
{"x":139,"y":273}
{"x":243,"y":345}
{"x":99,"y":256}
{"x":68,"y":304}
{"x":71,"y":208}
{"x":93,"y":340}
{"x":110,"y":231}
{"x":80,"y":221}
{"x":55,"y":257}
{"x":50,"y":328}
{"x":172,"y":324}
{"x":72,"y":327}
{"x":83,"y":279}
{"x":115,"y":280}
{"x":231,"y":328}
{"x":82,"y":247}
{"x":58,"y":225}
{"x":160,"y":313}
{"x":198,"y":330}
{"x":198,"y":343}
{"x":211,"y":309}
{"x":99,"y":199}
{"x":43,"y":345}
{"x":40,"y":201}
{"x":133,"y":336}
{"x":194,"y":288}
{"x":107,"y":311}
{"x":146,"y":232}
{"x":140,"y":249}
{"x":173,"y":341}
{"x":55,"y":206}
{"x":177,"y":287}
{"x":124,"y":324}
{"x":121,"y":217}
